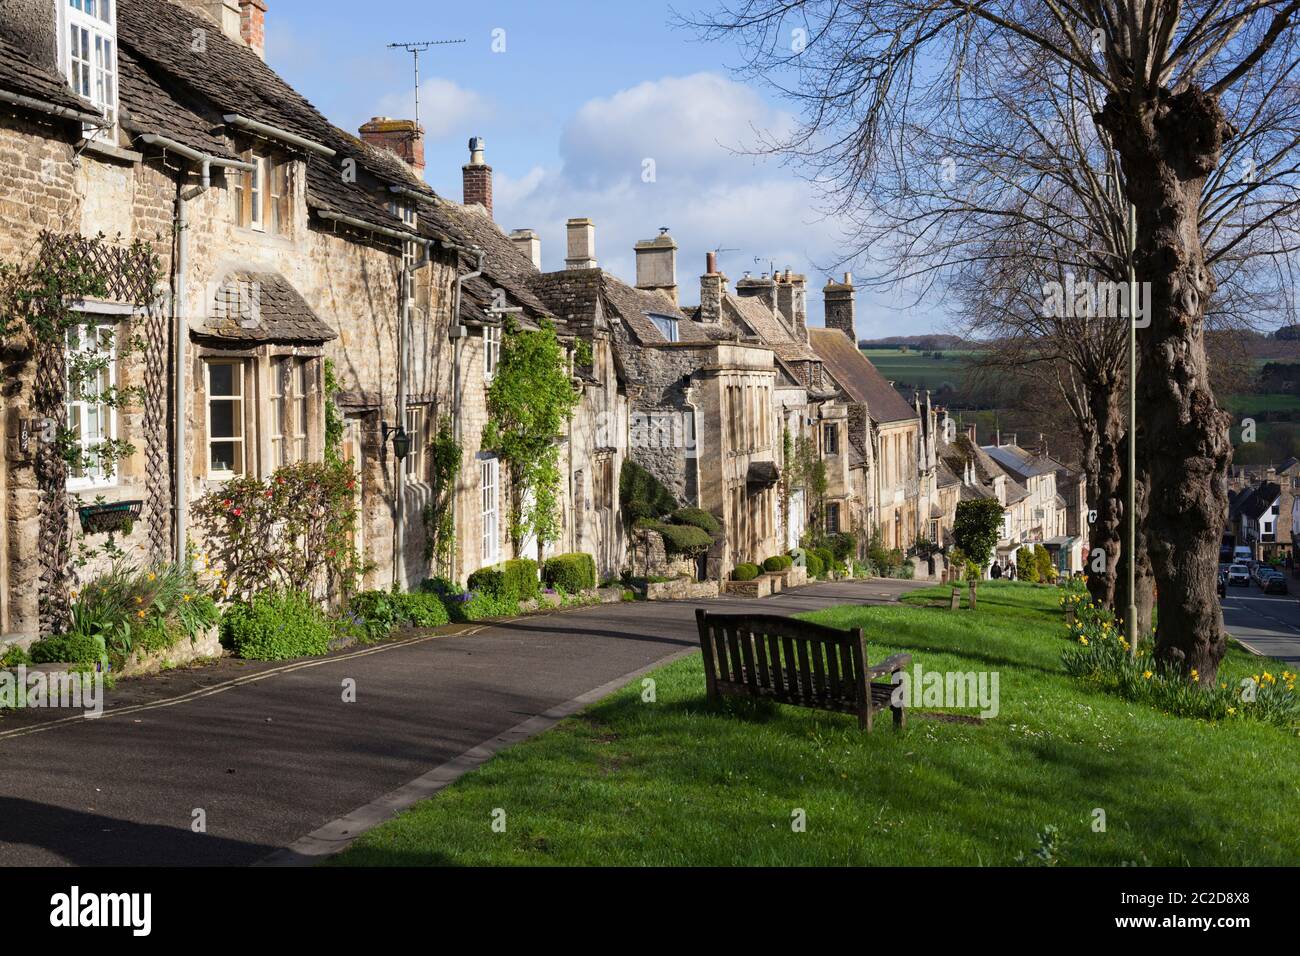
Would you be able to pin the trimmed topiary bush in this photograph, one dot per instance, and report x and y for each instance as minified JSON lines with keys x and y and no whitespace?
{"x":744,"y":572}
{"x":816,"y":567}
{"x":570,"y":573}
{"x":276,"y":626}
{"x":779,"y":562}
{"x":642,"y":495}
{"x":681,"y":538}
{"x":827,"y":558}
{"x":511,"y":580}
{"x":697,"y":517}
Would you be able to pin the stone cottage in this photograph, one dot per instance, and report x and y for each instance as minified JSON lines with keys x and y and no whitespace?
{"x":282,"y":243}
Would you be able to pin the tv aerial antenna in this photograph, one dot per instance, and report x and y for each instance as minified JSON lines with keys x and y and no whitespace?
{"x":415,"y":49}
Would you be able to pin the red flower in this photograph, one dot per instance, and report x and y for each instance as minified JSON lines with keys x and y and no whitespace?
{"x":238,"y":512}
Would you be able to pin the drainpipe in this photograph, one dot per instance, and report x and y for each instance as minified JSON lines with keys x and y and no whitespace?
{"x":458,"y":333}
{"x":180,"y":328}
{"x":399,"y":479}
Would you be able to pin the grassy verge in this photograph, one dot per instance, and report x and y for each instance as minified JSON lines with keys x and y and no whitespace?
{"x":678,"y":782}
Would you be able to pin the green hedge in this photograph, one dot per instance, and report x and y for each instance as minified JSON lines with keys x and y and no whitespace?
{"x":570,"y":573}
{"x":816,"y":567}
{"x":826,"y":556}
{"x":641,"y":495}
{"x":67,"y":649}
{"x":744,"y":572}
{"x":698,"y":518}
{"x":681,"y":538}
{"x":779,"y":562}
{"x":512,"y":580}
{"x":276,"y":627}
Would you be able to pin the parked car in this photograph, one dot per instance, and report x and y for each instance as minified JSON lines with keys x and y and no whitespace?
{"x":1239,"y":576}
{"x":1275,"y":583}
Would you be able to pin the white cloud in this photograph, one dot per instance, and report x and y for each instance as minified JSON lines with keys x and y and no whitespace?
{"x":707,"y":195}
{"x":445,"y":106}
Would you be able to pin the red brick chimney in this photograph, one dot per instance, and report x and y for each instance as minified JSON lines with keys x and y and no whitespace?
{"x":398,"y":136}
{"x":252,"y":25}
{"x":477,"y":177}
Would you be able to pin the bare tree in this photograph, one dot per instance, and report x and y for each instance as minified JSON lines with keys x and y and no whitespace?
{"x":1193,"y":98}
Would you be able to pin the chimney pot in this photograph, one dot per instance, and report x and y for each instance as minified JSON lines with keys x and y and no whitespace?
{"x":711,"y":264}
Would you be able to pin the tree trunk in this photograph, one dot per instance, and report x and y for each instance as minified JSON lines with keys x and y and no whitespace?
{"x":1168,"y":145}
{"x":1144,"y":580}
{"x":1106,"y":484}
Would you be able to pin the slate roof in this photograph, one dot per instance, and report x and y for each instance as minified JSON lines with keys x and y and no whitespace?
{"x":582,"y":297}
{"x":257,"y":307}
{"x":771,"y":329}
{"x":857,"y":376}
{"x":504,"y":266}
{"x":1022,"y":464}
{"x":146,"y":106}
{"x":19,"y":74}
{"x":226,"y":77}
{"x":1260,"y":499}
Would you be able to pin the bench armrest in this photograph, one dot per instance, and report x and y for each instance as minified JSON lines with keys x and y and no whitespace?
{"x":889,"y":665}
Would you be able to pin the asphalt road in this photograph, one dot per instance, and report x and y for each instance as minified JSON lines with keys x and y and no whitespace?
{"x":270,"y":760}
{"x":1268,"y":624}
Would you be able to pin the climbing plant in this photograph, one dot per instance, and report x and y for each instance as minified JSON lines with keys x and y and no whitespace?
{"x":333,"y":417}
{"x":439,"y":514}
{"x":529,"y":401}
{"x":41,"y":325}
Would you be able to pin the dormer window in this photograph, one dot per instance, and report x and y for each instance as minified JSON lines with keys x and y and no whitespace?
{"x":666,"y":324}
{"x":88,"y":54}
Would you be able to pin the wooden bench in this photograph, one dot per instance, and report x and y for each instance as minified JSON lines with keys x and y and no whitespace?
{"x":796,"y":662}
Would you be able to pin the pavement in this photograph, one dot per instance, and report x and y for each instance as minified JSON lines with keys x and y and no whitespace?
{"x":1267,"y":624}
{"x":271,"y":756}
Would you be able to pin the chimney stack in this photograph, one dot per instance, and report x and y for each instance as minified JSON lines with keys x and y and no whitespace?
{"x":252,"y":25}
{"x":401,"y":137}
{"x":792,"y":302}
{"x":656,"y":265}
{"x":840,"y":307}
{"x":530,"y":244}
{"x":229,"y":16}
{"x":582,"y":244}
{"x":476,"y":176}
{"x":762,"y":288}
{"x":713,"y":286}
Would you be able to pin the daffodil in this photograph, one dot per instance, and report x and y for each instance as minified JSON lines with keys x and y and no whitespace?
{"x":1147,"y":675}
{"x":1083,"y":640}
{"x":1231,"y":711}
{"x":1196,"y":675}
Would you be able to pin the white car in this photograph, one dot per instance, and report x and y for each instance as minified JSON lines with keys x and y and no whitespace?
{"x":1239,"y":576}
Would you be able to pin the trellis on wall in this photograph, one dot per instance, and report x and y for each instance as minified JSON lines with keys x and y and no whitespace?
{"x":123,"y":274}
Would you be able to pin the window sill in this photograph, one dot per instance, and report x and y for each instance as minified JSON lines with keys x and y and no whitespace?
{"x":112,"y":151}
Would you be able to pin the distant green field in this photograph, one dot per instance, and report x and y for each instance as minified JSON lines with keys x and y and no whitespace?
{"x":919,"y":370}
{"x":1256,"y":404}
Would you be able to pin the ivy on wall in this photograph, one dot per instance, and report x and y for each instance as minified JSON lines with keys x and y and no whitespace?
{"x":529,"y":402}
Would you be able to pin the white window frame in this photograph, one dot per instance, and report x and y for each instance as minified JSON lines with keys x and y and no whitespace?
{"x":666,"y":324}
{"x":490,"y":479}
{"x":91,"y":344}
{"x":240,"y":418}
{"x":491,"y":351}
{"x":99,"y":71}
{"x":417,"y":417}
{"x":258,"y":183}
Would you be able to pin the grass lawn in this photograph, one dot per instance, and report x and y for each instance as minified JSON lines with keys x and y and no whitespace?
{"x":678,"y":782}
{"x":915,"y":369}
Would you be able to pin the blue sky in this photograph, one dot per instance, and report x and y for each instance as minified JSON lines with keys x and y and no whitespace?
{"x":581,"y":96}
